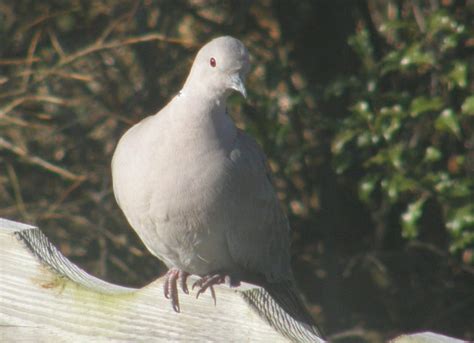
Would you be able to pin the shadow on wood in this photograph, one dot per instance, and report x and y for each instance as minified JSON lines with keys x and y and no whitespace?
{"x":46,"y":298}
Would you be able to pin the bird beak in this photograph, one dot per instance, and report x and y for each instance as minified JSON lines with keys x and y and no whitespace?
{"x":236,"y":83}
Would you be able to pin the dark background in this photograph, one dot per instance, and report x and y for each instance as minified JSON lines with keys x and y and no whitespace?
{"x":364,"y":108}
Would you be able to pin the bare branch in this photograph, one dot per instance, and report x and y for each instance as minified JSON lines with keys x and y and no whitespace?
{"x":98,"y":46}
{"x":55,"y":43}
{"x":19,"y":61}
{"x":20,"y":204}
{"x":39,"y":98}
{"x":29,"y":58}
{"x":38,"y":161}
{"x":46,"y":17}
{"x":63,"y":196}
{"x":111,"y":27}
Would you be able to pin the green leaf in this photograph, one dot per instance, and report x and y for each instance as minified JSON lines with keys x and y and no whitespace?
{"x":363,"y":110}
{"x":362,"y":45}
{"x":391,"y":156}
{"x":442,"y":182}
{"x":447,"y":121}
{"x":397,"y":184}
{"x":458,"y":75}
{"x":465,"y":240}
{"x":432,"y":154}
{"x":442,"y":21}
{"x":391,"y":129}
{"x":411,"y":217}
{"x":460,"y":219}
{"x":422,"y":104}
{"x":367,"y":186}
{"x":415,"y":56}
{"x":395,"y":156}
{"x":388,"y":121}
{"x":451,"y":187}
{"x":468,"y":106}
{"x":366,"y":139}
{"x":391,"y":62}
{"x":342,"y":162}
{"x":341,"y":139}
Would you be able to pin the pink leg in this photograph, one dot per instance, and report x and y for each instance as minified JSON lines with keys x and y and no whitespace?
{"x":209,"y":281}
{"x":170,"y":287}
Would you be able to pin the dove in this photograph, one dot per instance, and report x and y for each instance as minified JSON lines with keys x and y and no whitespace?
{"x":198,"y":191}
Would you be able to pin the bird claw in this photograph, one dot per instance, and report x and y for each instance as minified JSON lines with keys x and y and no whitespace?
{"x":170,"y":287}
{"x":207,"y":282}
{"x":176,"y":276}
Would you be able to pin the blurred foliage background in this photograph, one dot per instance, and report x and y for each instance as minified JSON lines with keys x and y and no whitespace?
{"x":364,"y":108}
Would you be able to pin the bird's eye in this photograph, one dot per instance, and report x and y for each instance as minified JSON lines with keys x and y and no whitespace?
{"x":212,"y":62}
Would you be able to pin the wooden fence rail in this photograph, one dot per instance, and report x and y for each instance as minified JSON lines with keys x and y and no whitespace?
{"x":46,"y":298}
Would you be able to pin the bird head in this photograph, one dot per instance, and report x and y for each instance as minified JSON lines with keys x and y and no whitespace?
{"x":220,"y":67}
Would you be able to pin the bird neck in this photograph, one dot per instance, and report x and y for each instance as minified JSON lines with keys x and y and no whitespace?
{"x":206,"y":117}
{"x":203,"y":100}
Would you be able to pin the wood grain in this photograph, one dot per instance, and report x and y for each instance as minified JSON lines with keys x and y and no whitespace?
{"x":46,"y":298}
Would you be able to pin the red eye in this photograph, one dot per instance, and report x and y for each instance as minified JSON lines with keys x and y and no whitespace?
{"x":212,"y":62}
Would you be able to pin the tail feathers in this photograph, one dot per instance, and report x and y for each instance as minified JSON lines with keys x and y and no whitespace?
{"x":282,"y":307}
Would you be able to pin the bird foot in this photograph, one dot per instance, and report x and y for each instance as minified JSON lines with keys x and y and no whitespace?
{"x":208,"y":281}
{"x":170,"y":287}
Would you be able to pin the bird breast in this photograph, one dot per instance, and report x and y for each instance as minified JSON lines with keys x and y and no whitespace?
{"x":165,"y":176}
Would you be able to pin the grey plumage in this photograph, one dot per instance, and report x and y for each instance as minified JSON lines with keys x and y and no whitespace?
{"x":196,"y":189}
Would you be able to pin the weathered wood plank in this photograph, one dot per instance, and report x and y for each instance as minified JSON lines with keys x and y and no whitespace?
{"x":46,"y":298}
{"x":426,"y":337}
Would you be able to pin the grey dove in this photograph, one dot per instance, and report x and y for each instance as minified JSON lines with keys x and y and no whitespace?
{"x":197,"y":190}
